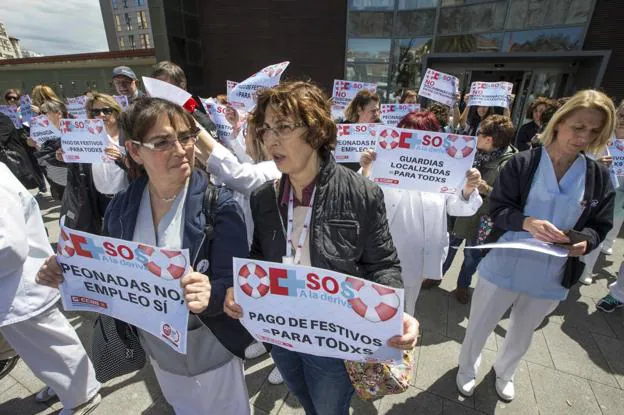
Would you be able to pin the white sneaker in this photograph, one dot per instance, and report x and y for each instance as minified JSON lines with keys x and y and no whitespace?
{"x":275,"y":377}
{"x":45,"y":395}
{"x":465,"y":384}
{"x":505,"y":389}
{"x":85,"y":408}
{"x":587,"y":280}
{"x":607,"y":251}
{"x":255,"y":350}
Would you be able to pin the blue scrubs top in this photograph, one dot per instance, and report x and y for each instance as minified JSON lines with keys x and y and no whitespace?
{"x":532,"y":273}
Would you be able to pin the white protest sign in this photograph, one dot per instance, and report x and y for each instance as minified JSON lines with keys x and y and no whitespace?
{"x":490,"y":94}
{"x":12,"y":113}
{"x":391,"y":114}
{"x":76,"y":106}
{"x":344,"y":91}
{"x":26,"y":109}
{"x":439,"y":87}
{"x":164,"y":90}
{"x":337,"y":112}
{"x":528,"y":244}
{"x":42,"y":130}
{"x":229,"y":85}
{"x":616,"y":148}
{"x":83,"y":140}
{"x":122,"y":100}
{"x":319,"y":312}
{"x":243,"y":94}
{"x":217,"y":113}
{"x":136,"y":283}
{"x":352,"y":140}
{"x":422,"y":160}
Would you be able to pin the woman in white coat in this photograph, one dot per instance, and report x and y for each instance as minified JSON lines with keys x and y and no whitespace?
{"x":417,"y":220}
{"x":29,"y":318}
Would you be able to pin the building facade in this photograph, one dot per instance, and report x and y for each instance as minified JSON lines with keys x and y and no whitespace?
{"x":9,"y":46}
{"x":127,"y":24}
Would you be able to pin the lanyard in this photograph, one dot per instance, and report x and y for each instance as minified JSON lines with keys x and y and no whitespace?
{"x":304,"y":231}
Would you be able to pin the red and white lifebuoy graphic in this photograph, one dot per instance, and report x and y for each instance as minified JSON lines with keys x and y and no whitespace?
{"x":253,"y":280}
{"x":65,"y":247}
{"x":461,"y":146}
{"x":164,"y":263}
{"x":389,"y":139}
{"x":373,"y":302}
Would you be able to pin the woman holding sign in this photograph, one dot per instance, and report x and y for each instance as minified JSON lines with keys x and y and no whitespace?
{"x":364,"y":108}
{"x":554,"y":194}
{"x":172,"y":205}
{"x":346,"y":217}
{"x":417,"y":220}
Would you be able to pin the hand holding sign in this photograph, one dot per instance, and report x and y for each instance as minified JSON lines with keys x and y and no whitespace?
{"x":50,"y":273}
{"x":197,"y":291}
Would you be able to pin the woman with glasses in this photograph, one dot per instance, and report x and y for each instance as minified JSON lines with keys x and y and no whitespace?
{"x":345,"y":214}
{"x":164,"y":207}
{"x":555,"y":194}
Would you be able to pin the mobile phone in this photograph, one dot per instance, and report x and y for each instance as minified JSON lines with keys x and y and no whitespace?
{"x":576,"y":237}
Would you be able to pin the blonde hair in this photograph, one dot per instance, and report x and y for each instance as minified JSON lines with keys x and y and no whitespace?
{"x":43,"y":93}
{"x":104,"y":99}
{"x":586,"y":99}
{"x":361,"y":100}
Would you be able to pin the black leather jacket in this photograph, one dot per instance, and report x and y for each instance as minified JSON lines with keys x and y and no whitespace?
{"x":349,"y":230}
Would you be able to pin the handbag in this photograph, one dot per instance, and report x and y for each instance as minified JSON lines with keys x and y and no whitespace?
{"x":486,"y":225}
{"x":116,"y":349}
{"x":374,"y":380}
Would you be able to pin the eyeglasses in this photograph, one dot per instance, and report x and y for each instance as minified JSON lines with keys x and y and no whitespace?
{"x":11,"y":98}
{"x":280,"y":130}
{"x":162,"y":144}
{"x":106,"y":111}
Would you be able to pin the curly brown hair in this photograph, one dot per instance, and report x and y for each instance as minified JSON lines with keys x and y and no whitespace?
{"x":303,"y":101}
{"x":536,"y":103}
{"x":500,"y":128}
{"x":441,"y":112}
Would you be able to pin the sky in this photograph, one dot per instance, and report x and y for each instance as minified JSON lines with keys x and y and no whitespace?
{"x":55,"y":27}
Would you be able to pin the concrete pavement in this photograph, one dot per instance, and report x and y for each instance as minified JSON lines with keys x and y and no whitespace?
{"x":574,"y":366}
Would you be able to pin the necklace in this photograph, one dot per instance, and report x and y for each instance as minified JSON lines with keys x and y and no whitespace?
{"x":168,"y":199}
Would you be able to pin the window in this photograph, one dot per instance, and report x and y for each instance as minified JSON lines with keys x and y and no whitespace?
{"x":140,"y":3}
{"x":117,"y":23}
{"x":414,"y":23}
{"x":408,"y":55}
{"x":369,"y":72}
{"x":145,"y":41}
{"x":537,"y":13}
{"x":122,"y":44}
{"x":142,"y":20}
{"x":370,"y":24}
{"x":125,"y":4}
{"x":371,"y":4}
{"x":368,"y":50}
{"x":483,"y":42}
{"x":475,"y":18}
{"x":461,"y":2}
{"x":128,"y":22}
{"x":131,"y":42}
{"x":417,"y":4}
{"x":561,"y":39}
{"x":114,"y":4}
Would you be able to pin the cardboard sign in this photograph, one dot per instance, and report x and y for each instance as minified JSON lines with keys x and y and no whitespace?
{"x":12,"y":113}
{"x":42,"y":130}
{"x":122,"y":100}
{"x":353,"y":139}
{"x":136,"y":283}
{"x":616,"y":148}
{"x":439,"y":87}
{"x":344,"y":91}
{"x":83,"y":140}
{"x":490,"y":94}
{"x":422,"y":160}
{"x":318,"y":312}
{"x":392,"y":114}
{"x":26,"y":109}
{"x":164,"y":90}
{"x":76,"y":106}
{"x":243,"y":95}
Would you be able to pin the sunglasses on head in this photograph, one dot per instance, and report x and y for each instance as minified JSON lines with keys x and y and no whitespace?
{"x":97,"y":111}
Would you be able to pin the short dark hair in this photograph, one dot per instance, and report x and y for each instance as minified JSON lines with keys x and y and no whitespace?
{"x":305,"y":102}
{"x":500,"y":128}
{"x":142,"y":115}
{"x":172,"y":71}
{"x":420,"y":120}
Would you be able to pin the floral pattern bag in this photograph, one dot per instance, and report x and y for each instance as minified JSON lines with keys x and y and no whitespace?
{"x":374,"y":380}
{"x":486,"y":224}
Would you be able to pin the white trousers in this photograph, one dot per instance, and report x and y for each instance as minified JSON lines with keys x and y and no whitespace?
{"x":591,"y":258}
{"x":489,"y":303}
{"x":220,"y":391}
{"x":411,"y":297}
{"x":51,"y":348}
{"x":617,"y":288}
{"x":618,"y":221}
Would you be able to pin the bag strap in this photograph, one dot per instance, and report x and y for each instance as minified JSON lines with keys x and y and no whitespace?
{"x":209,"y":209}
